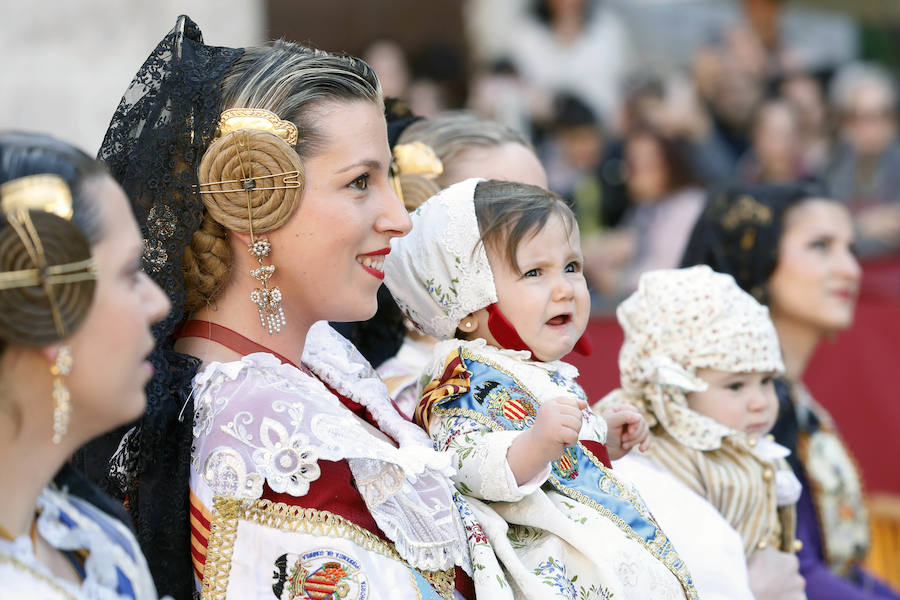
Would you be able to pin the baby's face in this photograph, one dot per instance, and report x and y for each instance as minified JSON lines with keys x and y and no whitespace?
{"x":742,"y":401}
{"x":548,"y":301}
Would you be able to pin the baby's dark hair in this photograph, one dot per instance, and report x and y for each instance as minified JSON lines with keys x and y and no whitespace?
{"x":509,"y":213}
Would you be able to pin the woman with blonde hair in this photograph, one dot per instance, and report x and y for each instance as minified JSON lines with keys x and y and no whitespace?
{"x":271,"y":462}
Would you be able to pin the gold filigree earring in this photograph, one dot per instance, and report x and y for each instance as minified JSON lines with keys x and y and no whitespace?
{"x":62,"y":406}
{"x":267,"y":300}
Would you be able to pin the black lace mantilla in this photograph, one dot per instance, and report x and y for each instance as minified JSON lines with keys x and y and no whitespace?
{"x":158,"y":135}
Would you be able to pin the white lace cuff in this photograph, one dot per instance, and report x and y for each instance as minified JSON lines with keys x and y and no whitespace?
{"x":529,"y":486}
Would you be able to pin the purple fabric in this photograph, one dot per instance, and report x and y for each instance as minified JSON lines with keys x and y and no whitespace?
{"x":821,"y":583}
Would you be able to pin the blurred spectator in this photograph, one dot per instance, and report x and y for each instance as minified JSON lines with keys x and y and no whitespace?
{"x":804,"y":92}
{"x":775,"y":155}
{"x":666,"y":201}
{"x":865,"y":169}
{"x":438,"y":82}
{"x":390,"y":64}
{"x":578,"y":46}
{"x":499,"y":93}
{"x":573,"y":153}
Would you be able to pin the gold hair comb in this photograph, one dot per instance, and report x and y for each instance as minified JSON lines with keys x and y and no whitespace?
{"x":47,"y":193}
{"x":417,"y":158}
{"x":235,"y":119}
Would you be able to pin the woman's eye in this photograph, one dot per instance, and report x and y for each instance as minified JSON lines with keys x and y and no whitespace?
{"x":361,"y":183}
{"x":819,"y":244}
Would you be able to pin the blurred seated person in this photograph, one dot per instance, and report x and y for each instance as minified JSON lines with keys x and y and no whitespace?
{"x":665,"y":201}
{"x":558,"y":45}
{"x":804,"y":92}
{"x":775,"y":154}
{"x":578,"y":168}
{"x":865,"y":169}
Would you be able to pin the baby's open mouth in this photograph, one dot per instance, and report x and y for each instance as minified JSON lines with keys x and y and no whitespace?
{"x":560,"y":320}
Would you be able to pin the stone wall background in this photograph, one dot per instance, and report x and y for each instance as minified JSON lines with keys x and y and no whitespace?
{"x":65,"y":64}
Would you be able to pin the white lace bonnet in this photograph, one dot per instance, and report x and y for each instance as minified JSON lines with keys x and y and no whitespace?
{"x":682,"y":320}
{"x":440,"y":273}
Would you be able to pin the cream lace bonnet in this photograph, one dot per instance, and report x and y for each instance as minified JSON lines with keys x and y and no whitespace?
{"x":682,"y":320}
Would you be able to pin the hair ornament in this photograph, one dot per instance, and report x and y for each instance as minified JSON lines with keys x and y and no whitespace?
{"x":419,"y":159}
{"x":235,"y":119}
{"x":240,"y":175}
{"x":48,"y":194}
{"x":747,"y":209}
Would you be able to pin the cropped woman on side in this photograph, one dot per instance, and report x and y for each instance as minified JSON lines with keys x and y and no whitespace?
{"x":75,"y":316}
{"x":261,"y":178}
{"x":791,"y":247}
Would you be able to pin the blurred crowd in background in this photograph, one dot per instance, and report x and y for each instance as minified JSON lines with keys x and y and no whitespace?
{"x":635,"y":133}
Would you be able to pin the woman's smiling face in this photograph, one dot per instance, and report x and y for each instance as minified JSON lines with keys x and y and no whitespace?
{"x":331,"y":251}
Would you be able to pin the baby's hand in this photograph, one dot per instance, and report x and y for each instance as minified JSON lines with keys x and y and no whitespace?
{"x":557,"y":425}
{"x":627,"y":428}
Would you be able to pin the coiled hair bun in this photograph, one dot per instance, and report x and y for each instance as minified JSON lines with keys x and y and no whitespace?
{"x":27,"y":312}
{"x":256,"y":160}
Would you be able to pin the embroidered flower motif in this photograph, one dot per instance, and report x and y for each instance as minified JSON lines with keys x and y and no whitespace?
{"x":286,"y":461}
{"x":553,"y":574}
{"x":226,"y":474}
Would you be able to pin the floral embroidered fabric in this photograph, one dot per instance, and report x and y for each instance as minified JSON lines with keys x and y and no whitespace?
{"x":258,"y":420}
{"x":546,"y":540}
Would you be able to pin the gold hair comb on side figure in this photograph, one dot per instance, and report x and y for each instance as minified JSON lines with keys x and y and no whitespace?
{"x":46,"y":193}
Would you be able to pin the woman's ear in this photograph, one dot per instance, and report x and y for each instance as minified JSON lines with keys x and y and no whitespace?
{"x":243,"y":238}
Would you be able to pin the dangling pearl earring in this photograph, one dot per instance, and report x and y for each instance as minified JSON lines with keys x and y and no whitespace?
{"x":468,"y":324}
{"x":62,"y":407}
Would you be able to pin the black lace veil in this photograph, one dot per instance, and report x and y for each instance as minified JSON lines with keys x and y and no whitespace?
{"x":739,"y":231}
{"x":156,"y":138}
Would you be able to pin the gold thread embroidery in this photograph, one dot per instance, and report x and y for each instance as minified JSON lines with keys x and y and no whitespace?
{"x":227,"y":512}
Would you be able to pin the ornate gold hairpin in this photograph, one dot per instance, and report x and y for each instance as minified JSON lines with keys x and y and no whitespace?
{"x":417,"y":158}
{"x":235,"y":119}
{"x":747,"y":209}
{"x":46,"y":192}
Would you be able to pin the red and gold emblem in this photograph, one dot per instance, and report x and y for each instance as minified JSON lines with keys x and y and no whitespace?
{"x":319,"y":575}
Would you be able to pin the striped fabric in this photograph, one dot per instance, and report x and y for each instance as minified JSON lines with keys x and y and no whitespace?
{"x":737,"y":482}
{"x":454,"y":380}
{"x":200,"y":519}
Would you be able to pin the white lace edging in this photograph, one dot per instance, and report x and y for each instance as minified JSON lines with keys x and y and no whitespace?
{"x":242,"y":442}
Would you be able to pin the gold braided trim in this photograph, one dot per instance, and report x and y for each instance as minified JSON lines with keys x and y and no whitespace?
{"x":235,"y":119}
{"x":655,"y":547}
{"x":46,"y":192}
{"x":228,"y":511}
{"x":15,"y":563}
